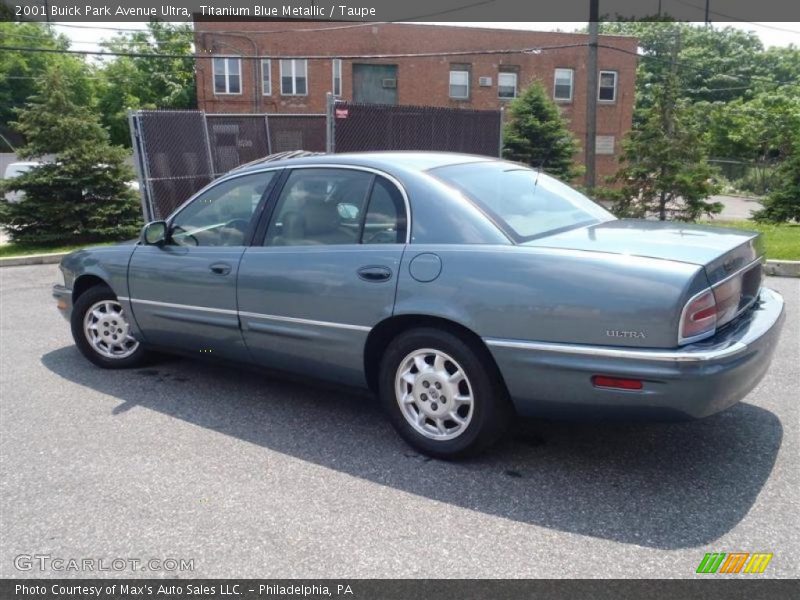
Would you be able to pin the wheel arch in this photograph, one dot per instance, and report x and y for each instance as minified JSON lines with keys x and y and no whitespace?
{"x":384,"y":332}
{"x":85,"y":282}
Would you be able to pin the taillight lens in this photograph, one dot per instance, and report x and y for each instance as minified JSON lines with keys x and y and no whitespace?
{"x":699,"y":317}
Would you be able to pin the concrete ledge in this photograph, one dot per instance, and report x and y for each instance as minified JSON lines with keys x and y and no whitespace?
{"x":33,"y":259}
{"x":782,"y":268}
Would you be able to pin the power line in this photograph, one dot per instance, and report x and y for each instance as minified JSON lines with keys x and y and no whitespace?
{"x":696,"y":70}
{"x":531,"y":50}
{"x":732,"y":18}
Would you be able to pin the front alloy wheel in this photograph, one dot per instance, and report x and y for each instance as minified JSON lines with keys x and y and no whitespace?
{"x":108,"y":331}
{"x":102,"y":331}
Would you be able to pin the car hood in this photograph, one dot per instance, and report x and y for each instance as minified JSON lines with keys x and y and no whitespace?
{"x":682,"y":242}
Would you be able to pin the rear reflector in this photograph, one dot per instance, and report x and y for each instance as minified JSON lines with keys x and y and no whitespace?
{"x":615,"y":382}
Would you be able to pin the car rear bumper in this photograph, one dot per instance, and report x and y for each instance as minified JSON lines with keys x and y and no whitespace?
{"x":554,"y":380}
{"x":63,"y":296}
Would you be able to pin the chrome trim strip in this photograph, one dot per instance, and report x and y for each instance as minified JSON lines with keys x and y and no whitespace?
{"x":737,"y":272}
{"x":222,"y":311}
{"x":251,"y":315}
{"x":626,"y":353}
{"x":304,"y":321}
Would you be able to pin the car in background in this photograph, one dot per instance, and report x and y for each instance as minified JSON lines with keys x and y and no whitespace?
{"x":16,"y":169}
{"x":463,"y":290}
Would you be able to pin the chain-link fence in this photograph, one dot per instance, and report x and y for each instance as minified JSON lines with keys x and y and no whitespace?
{"x":176,"y":153}
{"x":364,"y":127}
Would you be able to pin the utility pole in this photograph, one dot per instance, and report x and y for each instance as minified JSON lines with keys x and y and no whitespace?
{"x":591,"y":94}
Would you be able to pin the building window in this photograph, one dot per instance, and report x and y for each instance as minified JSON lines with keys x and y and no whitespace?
{"x":337,"y":77}
{"x":506,"y":85}
{"x":459,"y":82}
{"x":562,"y":90}
{"x":227,"y":75}
{"x":607,"y":88}
{"x":294,"y":77}
{"x":266,"y":77}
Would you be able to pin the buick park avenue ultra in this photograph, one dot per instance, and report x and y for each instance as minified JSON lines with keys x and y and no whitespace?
{"x":461,"y":289}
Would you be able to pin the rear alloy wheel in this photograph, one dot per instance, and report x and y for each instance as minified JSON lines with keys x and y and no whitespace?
{"x":102,"y":332}
{"x":434,"y":394}
{"x":443,"y":393}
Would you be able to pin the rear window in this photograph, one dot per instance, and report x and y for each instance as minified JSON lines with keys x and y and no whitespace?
{"x":522,"y":202}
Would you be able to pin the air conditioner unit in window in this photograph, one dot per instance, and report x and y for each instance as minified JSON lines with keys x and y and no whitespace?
{"x":389,"y":83}
{"x":485,"y":81}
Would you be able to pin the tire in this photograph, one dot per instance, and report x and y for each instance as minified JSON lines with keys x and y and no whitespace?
{"x":108,"y":352}
{"x":415,"y":395}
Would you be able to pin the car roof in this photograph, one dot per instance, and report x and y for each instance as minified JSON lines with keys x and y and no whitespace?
{"x":389,"y":161}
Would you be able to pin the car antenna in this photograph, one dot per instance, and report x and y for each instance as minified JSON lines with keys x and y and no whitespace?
{"x":538,"y":170}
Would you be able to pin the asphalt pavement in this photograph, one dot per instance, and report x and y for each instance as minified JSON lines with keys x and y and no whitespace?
{"x":248,"y":475}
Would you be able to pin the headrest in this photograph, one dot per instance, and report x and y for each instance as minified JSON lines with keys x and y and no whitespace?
{"x":320,"y":217}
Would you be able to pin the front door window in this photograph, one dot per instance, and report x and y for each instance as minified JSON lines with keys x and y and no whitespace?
{"x":223,"y":215}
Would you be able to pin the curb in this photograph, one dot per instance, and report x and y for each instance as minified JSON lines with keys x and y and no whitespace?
{"x":782,"y":268}
{"x":33,"y":259}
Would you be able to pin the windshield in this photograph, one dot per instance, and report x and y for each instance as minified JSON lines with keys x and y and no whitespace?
{"x":523,"y":203}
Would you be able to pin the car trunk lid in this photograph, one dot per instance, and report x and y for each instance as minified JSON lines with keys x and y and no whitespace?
{"x":729,"y":257}
{"x":719,"y":250}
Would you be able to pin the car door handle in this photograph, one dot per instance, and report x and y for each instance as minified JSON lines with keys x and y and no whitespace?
{"x":375,"y":273}
{"x":220,"y":268}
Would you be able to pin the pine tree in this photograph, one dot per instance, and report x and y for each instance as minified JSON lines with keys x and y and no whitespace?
{"x":783,"y":202}
{"x":536,"y":134}
{"x":665,"y":169}
{"x":79,"y":193}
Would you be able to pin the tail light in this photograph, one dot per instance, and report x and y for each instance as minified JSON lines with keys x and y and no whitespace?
{"x":699,"y":318}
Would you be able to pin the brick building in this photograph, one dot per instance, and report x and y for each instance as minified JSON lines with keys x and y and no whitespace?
{"x":228,"y":83}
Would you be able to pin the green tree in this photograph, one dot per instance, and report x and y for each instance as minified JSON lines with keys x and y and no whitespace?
{"x":537,"y":134}
{"x":142,"y":82}
{"x":783,"y":203}
{"x":665,"y":167}
{"x":78,"y":196}
{"x":714,"y":64}
{"x":19,"y":70}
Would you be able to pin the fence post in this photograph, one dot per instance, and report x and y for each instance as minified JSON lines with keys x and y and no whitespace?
{"x":330,"y":129}
{"x":141,"y":167}
{"x":502,"y":122}
{"x":208,"y":148}
{"x":269,"y":141}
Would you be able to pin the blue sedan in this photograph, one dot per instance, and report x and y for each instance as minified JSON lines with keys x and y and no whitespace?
{"x":462,"y":290}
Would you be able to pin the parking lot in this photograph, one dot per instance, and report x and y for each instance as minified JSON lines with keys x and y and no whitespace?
{"x":252,"y":476}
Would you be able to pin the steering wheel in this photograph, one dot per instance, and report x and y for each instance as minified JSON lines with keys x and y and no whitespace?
{"x":185,"y":236}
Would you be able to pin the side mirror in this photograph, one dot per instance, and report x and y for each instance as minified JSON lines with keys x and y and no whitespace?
{"x":155,"y":233}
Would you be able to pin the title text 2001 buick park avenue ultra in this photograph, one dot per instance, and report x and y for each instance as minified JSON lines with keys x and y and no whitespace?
{"x":461,"y":289}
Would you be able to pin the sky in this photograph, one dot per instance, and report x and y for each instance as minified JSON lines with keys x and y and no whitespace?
{"x":771,"y":34}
